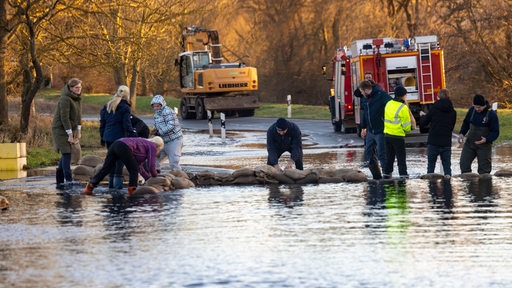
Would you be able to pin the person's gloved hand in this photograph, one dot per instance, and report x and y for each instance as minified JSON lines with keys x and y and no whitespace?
{"x":461,"y":139}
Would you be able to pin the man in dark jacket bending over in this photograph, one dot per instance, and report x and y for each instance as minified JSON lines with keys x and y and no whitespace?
{"x":284,"y":136}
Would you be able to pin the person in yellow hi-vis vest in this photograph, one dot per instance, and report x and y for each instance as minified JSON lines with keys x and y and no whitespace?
{"x":397,"y":122}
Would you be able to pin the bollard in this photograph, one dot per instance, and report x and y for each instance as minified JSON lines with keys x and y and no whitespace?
{"x":289,"y":100}
{"x":176,"y":110}
{"x":210,"y":124}
{"x":223,"y":126}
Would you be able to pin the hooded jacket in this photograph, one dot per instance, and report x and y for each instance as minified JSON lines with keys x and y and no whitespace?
{"x":68,"y":115}
{"x":373,"y":121}
{"x":166,"y":121}
{"x":116,"y":125}
{"x":441,"y":117}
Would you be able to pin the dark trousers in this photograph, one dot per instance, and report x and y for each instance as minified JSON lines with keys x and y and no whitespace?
{"x":445,"y":153}
{"x":118,"y":151}
{"x":64,"y":169}
{"x":118,"y":172}
{"x":395,"y":147}
{"x":482,"y":152}
{"x":273,"y":158}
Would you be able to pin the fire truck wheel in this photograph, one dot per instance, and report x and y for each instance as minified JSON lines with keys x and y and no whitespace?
{"x":336,"y":126}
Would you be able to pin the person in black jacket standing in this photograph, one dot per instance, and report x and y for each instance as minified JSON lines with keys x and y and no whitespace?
{"x":372,"y":125}
{"x":284,"y":136}
{"x":441,"y":117}
{"x":479,"y":129}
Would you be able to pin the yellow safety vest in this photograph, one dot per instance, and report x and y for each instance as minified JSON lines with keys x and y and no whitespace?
{"x":397,"y":120}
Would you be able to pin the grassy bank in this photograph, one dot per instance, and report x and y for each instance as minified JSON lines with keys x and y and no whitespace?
{"x":41,"y":154}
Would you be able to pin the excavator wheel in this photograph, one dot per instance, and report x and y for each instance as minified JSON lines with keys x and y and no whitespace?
{"x":200,"y":110}
{"x":246,"y":113}
{"x":185,"y":114}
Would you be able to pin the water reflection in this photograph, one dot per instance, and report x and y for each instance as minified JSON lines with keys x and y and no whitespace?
{"x":69,"y":208}
{"x":289,"y":195}
{"x":481,"y":192}
{"x":386,"y":206}
{"x":442,"y":194}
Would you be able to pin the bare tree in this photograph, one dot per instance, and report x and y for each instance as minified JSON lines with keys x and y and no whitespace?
{"x":8,"y":24}
{"x":482,"y":30}
{"x":34,"y":15}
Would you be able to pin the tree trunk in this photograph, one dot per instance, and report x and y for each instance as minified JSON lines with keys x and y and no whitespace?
{"x":30,"y":87}
{"x":133,"y":87}
{"x":4,"y":110}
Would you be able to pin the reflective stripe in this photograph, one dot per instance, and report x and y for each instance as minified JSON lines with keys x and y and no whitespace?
{"x":396,"y":121}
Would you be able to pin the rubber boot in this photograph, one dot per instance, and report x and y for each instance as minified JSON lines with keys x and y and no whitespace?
{"x":131,"y":190}
{"x":110,"y":181}
{"x":375,"y":170}
{"x":59,"y":177}
{"x":88,"y":189}
{"x":118,"y":182}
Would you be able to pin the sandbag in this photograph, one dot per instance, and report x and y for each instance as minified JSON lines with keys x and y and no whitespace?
{"x":503,"y":173}
{"x":243,"y":172}
{"x":144,"y":190}
{"x":159,"y":181}
{"x":245,"y":180}
{"x":83,"y":173}
{"x":180,"y":173}
{"x":295,"y":174}
{"x":432,"y":176}
{"x":279,"y":176}
{"x":182,"y":183}
{"x":91,"y":160}
{"x":76,"y":153}
{"x":311,"y":177}
{"x":468,"y":176}
{"x":355,"y":176}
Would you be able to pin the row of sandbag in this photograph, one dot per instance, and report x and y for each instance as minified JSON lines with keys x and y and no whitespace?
{"x":89,"y":165}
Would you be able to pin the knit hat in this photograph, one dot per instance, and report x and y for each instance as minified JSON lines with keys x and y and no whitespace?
{"x":281,"y":124}
{"x":400,"y":91}
{"x":479,"y":100}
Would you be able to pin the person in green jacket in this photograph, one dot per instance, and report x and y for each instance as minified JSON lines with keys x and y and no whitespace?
{"x":67,"y":122}
{"x":397,"y":122}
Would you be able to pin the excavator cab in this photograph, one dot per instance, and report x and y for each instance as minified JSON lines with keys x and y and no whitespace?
{"x":190,"y":62}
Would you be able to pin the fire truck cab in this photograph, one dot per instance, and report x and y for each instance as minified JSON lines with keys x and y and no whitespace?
{"x":416,"y":63}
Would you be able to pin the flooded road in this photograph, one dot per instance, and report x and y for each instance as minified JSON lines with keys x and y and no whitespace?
{"x":419,"y":233}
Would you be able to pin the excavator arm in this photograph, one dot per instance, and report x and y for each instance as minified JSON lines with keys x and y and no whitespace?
{"x":197,"y":38}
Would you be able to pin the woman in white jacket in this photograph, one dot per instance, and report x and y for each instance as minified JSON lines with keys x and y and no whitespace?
{"x":168,"y":127}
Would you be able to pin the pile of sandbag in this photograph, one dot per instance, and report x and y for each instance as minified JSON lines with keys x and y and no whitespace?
{"x":266,"y":174}
{"x":87,"y":167}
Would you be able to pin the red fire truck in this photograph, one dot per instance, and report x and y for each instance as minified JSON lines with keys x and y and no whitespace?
{"x":416,"y":63}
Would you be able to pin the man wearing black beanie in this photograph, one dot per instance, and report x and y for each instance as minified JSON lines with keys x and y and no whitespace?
{"x":479,"y":129}
{"x":284,"y":136}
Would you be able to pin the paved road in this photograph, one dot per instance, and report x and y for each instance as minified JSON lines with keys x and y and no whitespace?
{"x":317,"y":131}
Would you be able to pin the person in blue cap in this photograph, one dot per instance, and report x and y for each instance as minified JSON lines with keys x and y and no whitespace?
{"x":284,"y":136}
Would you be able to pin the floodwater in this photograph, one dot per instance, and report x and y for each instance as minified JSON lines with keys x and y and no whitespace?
{"x":419,"y":233}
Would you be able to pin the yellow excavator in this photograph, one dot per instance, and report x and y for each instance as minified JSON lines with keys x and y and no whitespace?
{"x":209,"y":83}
